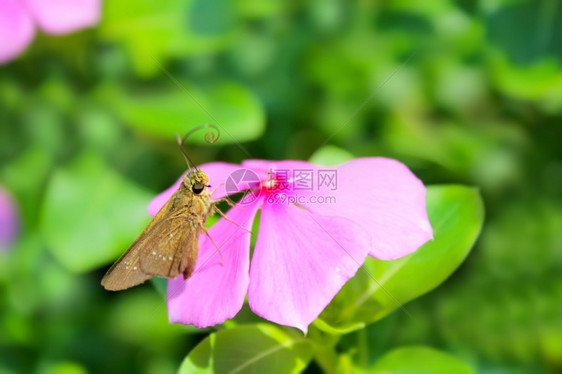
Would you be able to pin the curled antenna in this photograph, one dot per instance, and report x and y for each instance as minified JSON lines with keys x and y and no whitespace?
{"x":210,"y":137}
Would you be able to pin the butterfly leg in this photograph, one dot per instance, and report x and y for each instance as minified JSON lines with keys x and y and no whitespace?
{"x":225,"y":198}
{"x":228,"y":201}
{"x":229,"y":220}
{"x":216,"y":188}
{"x":204,"y":229}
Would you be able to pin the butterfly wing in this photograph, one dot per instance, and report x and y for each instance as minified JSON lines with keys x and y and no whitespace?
{"x":127,"y":271}
{"x":172,"y":248}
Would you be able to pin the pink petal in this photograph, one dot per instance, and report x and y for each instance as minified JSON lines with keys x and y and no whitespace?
{"x":300,"y":262}
{"x":384,"y":197}
{"x":64,"y":16}
{"x":216,"y":290}
{"x":258,"y":166}
{"x":16,"y":29}
{"x":262,"y":167}
{"x":218,"y":173}
{"x":9,"y":219}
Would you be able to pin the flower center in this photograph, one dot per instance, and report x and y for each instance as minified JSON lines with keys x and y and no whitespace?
{"x":270,"y":184}
{"x":277,"y":181}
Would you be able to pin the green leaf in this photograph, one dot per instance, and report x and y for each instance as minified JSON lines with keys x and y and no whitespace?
{"x":330,"y":156}
{"x":160,"y":29}
{"x":231,"y":107}
{"x":63,"y":367}
{"x":419,"y":360}
{"x":532,"y":24}
{"x":140,"y":317}
{"x":91,"y":214}
{"x":25,"y":177}
{"x":456,"y":214}
{"x":540,"y":82}
{"x":249,"y":349}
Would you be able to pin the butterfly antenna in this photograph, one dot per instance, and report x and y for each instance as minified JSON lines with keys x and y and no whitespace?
{"x":210,"y":137}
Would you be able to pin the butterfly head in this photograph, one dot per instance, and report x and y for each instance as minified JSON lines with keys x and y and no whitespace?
{"x":196,"y":181}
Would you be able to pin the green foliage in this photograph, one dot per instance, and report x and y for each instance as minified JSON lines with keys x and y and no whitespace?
{"x":156,"y":30}
{"x":330,"y":156}
{"x":413,"y":360}
{"x":166,"y":113}
{"x":250,"y":349}
{"x":88,"y":200}
{"x":464,"y":93}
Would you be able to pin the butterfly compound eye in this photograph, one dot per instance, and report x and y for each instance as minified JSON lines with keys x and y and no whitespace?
{"x":197,"y":188}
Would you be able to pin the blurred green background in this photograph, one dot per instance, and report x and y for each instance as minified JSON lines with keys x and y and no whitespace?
{"x":461,"y":91}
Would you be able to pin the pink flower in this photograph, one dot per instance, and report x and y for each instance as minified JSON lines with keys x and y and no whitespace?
{"x":317,"y":226}
{"x":17,"y":19}
{"x":9,"y":221}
